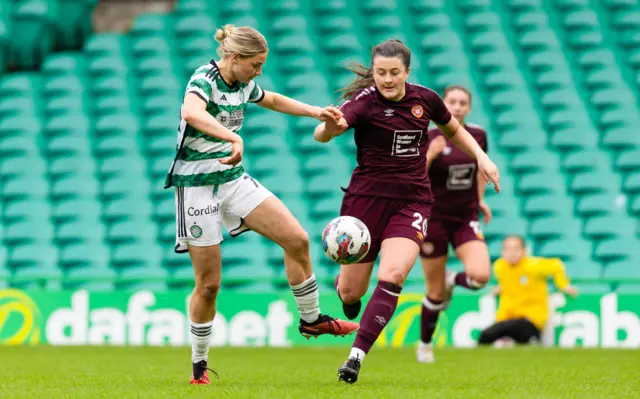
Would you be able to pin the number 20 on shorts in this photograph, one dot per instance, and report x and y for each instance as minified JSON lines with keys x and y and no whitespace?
{"x":420,"y":223}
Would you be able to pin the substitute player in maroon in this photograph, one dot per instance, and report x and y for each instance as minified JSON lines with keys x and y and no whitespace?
{"x":389,"y":189}
{"x":458,"y":190}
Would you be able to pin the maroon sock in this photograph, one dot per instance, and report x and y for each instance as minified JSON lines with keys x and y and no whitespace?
{"x":430,"y":312}
{"x":464,"y":281}
{"x":377,"y":314}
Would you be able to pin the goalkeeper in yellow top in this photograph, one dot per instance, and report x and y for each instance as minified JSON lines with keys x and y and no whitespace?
{"x":522,"y":287}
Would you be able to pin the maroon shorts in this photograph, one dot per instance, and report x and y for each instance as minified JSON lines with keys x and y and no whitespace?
{"x":387,"y":218}
{"x":441,"y":232}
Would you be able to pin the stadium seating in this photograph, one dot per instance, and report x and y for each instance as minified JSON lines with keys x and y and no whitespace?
{"x":556,"y":84}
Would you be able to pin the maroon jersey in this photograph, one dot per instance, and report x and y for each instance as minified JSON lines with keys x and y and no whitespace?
{"x":453,"y":178}
{"x":391,"y":137}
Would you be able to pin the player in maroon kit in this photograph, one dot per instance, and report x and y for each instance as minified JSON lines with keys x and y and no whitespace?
{"x":458,"y":190}
{"x":389,"y":189}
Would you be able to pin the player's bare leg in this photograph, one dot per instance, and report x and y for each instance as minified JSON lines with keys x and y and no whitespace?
{"x":434,"y":301}
{"x":397,"y":257}
{"x":202,"y":307}
{"x":477,"y":265}
{"x":273,"y":220}
{"x":351,"y":285}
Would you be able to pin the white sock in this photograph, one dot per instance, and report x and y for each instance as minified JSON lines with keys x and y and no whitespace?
{"x":357,"y":354}
{"x":307,"y":299}
{"x":200,"y":340}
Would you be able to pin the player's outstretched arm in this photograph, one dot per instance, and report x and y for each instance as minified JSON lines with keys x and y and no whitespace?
{"x":324,"y":132}
{"x":286,"y":105}
{"x":194,"y":112}
{"x":465,"y":141}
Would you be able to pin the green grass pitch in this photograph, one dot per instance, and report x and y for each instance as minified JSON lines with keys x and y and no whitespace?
{"x":121,"y":372}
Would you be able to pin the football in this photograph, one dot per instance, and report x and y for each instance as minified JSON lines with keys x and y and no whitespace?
{"x":346,"y":240}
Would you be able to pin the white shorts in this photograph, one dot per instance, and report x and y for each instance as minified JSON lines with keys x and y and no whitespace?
{"x":200,"y":211}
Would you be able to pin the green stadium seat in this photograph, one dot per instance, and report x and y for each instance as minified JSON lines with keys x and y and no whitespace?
{"x":17,"y":189}
{"x":66,"y":146}
{"x":629,"y":161}
{"x":19,"y":84}
{"x":560,"y":225}
{"x":123,"y":209}
{"x":40,"y":255}
{"x":129,"y":232}
{"x":64,"y":86}
{"x":547,"y":205}
{"x":23,"y":231}
{"x":581,"y":20}
{"x":539,"y":40}
{"x":632,"y":183}
{"x":628,"y":288}
{"x":15,"y":166}
{"x":325,"y":185}
{"x":593,"y":288}
{"x":149,"y":25}
{"x":152,"y":46}
{"x":545,"y":60}
{"x":500,"y":227}
{"x":635,"y":205}
{"x":516,"y":141}
{"x":572,"y":139}
{"x":581,"y":40}
{"x":71,"y":124}
{"x":73,"y":104}
{"x":530,"y":20}
{"x":90,"y":257}
{"x":620,"y":139}
{"x":534,"y":160}
{"x":599,"y":227}
{"x":83,"y":229}
{"x":538,"y":183}
{"x":32,"y":208}
{"x":616,"y":249}
{"x":64,"y":64}
{"x":81,"y":208}
{"x":598,"y":204}
{"x":18,"y":106}
{"x":594,"y":182}
{"x":622,"y":270}
{"x":583,"y":269}
{"x":586,"y":160}
{"x":74,"y":186}
{"x":604,"y":79}
{"x":503,"y":205}
{"x":565,"y":249}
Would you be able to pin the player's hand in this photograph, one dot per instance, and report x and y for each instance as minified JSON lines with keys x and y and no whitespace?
{"x":336,"y":125}
{"x":571,"y":291}
{"x":437,"y":146}
{"x":486,"y":211}
{"x":328,"y":113}
{"x":237,"y":148}
{"x":489,"y":172}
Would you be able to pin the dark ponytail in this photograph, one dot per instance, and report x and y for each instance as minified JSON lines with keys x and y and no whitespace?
{"x":390,"y":48}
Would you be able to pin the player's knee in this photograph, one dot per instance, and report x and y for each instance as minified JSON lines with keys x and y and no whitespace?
{"x":480,"y":277}
{"x":298,"y":243}
{"x":350,"y":295}
{"x":393,"y":275}
{"x":208,"y":290}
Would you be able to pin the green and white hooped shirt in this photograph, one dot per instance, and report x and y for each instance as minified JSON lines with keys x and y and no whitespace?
{"x":197,"y":154}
